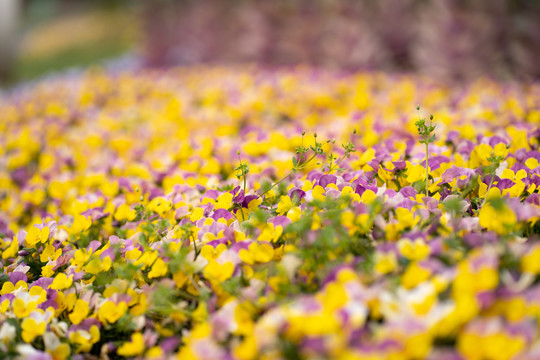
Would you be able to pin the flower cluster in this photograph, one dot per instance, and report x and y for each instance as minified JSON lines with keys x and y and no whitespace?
{"x":242,"y":213}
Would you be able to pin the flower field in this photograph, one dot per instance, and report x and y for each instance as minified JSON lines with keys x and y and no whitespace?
{"x":246,"y":213}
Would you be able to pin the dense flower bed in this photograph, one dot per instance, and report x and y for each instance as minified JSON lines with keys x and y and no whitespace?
{"x":240,"y":213}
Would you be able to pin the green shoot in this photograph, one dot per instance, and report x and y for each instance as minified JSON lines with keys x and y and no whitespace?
{"x":490,"y":170}
{"x":189,"y":235}
{"x":300,"y":160}
{"x":333,"y":161}
{"x":242,"y":170}
{"x":428,"y":137}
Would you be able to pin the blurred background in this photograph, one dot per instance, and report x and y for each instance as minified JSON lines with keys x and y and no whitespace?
{"x":452,"y":40}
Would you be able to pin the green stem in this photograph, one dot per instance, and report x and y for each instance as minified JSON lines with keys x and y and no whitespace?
{"x":197,"y":251}
{"x":335,"y":166}
{"x":397,"y":182}
{"x":242,"y":212}
{"x":277,"y":183}
{"x":487,"y":191}
{"x":299,"y":167}
{"x":195,"y":248}
{"x":303,"y":165}
{"x":427,"y":169}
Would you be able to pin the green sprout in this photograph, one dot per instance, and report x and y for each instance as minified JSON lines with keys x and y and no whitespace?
{"x":188,"y":234}
{"x":428,"y":136}
{"x":494,"y":162}
{"x":334,"y":161}
{"x":300,"y":160}
{"x":242,"y":170}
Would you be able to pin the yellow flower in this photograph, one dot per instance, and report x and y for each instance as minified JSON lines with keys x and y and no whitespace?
{"x":406,"y":218}
{"x":254,"y":204}
{"x":271,"y":233}
{"x":284,"y":205}
{"x":80,"y":311}
{"x":486,"y":279}
{"x":4,"y":306}
{"x":160,"y":205}
{"x":80,"y":224}
{"x":36,"y":236}
{"x":368,"y":196}
{"x":61,"y":352}
{"x":61,"y":282}
{"x":154,"y":352}
{"x":85,"y":339}
{"x":80,"y":257}
{"x":500,"y":150}
{"x":32,"y":329}
{"x":8,"y":287}
{"x":262,"y":252}
{"x":417,"y":250}
{"x":531,"y":163}
{"x":385,"y":262}
{"x":349,"y":192}
{"x":499,"y":218}
{"x":96,"y":265}
{"x":414,"y":172}
{"x":480,"y":155}
{"x":39,"y":292}
{"x":294,"y":213}
{"x":12,"y":249}
{"x":110,"y":312}
{"x":197,"y":214}
{"x":134,"y":347}
{"x":125,"y":212}
{"x":50,"y":253}
{"x":22,"y":309}
{"x":211,"y":253}
{"x":414,"y":275}
{"x":530,"y":262}
{"x":510,"y":174}
{"x":133,"y":254}
{"x":247,"y":349}
{"x":318,"y":193}
{"x":257,"y":253}
{"x":493,"y":345}
{"x":216,"y":271}
{"x":224,"y":201}
{"x":333,"y":297}
{"x":158,"y":269}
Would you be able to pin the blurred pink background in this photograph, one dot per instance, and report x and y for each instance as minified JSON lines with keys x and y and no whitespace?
{"x":445,"y":39}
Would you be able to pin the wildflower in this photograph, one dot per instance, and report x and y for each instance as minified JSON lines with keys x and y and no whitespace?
{"x":158,"y":269}
{"x":257,"y":253}
{"x":36,"y":236}
{"x":80,"y":223}
{"x":125,"y":212}
{"x":110,"y":312}
{"x":32,"y":329}
{"x":417,"y":250}
{"x":497,"y":216}
{"x":84,"y":340}
{"x":530,"y":262}
{"x":61,"y":282}
{"x":134,"y":347}
{"x":218,"y":272}
{"x":285,"y":204}
{"x":80,"y":311}
{"x":22,"y":308}
{"x":12,"y":250}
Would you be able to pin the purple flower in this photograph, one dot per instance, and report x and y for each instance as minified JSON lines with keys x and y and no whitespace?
{"x":327,"y":179}
{"x":17,"y":276}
